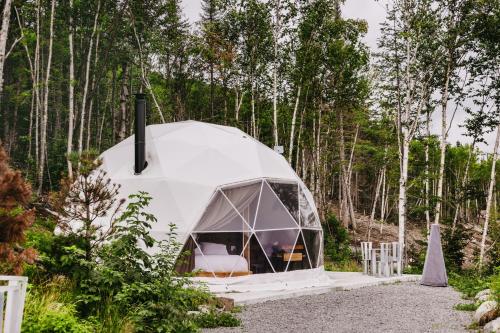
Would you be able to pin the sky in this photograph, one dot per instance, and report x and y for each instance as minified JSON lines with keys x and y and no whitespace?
{"x":374,"y":13}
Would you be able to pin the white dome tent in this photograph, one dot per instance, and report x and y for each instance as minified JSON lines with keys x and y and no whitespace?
{"x":238,"y":205}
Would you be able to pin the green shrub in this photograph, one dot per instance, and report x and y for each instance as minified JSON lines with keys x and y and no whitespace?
{"x":453,"y":247}
{"x":120,"y":287}
{"x":214,"y":319}
{"x":336,"y":240}
{"x":55,"y":253}
{"x":129,"y":282}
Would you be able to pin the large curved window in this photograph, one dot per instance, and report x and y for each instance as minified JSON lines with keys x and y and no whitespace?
{"x":263,"y":226}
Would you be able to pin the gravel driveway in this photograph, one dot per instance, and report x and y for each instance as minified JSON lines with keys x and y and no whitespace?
{"x":406,"y":307}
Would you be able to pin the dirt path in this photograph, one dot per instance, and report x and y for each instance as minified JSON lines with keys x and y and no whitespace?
{"x":406,"y":307}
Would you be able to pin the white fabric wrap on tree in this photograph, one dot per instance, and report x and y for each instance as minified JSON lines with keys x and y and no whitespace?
{"x":434,"y":274}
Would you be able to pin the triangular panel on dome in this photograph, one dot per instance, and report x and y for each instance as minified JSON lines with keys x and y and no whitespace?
{"x":242,"y":264}
{"x":245,"y":198}
{"x":186,"y":260}
{"x":271,"y":213}
{"x":220,"y":216}
{"x":201,"y":262}
{"x":259,"y":262}
{"x":288,"y":193}
{"x":301,"y":247}
{"x":277,"y":244}
{"x":212,"y":167}
{"x":312,"y":239}
{"x":308,"y":218}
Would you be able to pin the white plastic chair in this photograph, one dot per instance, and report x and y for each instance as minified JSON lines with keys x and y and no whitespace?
{"x":366,"y":256}
{"x":384,"y":260}
{"x":12,"y":297}
{"x":395,"y":259}
{"x":374,"y":263}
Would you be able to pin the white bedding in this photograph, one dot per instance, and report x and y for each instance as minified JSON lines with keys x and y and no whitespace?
{"x":220,"y":263}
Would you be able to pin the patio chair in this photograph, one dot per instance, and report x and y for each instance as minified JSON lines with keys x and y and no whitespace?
{"x":385,"y":260}
{"x":366,"y":256}
{"x":395,"y":259}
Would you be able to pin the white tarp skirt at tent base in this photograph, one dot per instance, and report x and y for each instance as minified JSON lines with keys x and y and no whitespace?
{"x":299,"y":279}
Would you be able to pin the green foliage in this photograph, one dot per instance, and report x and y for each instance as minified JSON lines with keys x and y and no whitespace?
{"x":214,"y":319}
{"x":57,"y":254}
{"x":495,"y":285}
{"x":468,"y":283}
{"x":453,"y":247}
{"x":494,"y":252}
{"x":123,"y":287}
{"x":336,"y":240}
{"x":466,"y":307}
{"x":135,"y":284}
{"x":344,"y":266}
{"x":48,"y":309}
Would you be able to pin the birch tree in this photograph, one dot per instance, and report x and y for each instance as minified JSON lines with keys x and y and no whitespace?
{"x":455,"y":14}
{"x":4,"y":32}
{"x":45,"y":110}
{"x":489,"y":199}
{"x":276,"y":38}
{"x":71,"y":93}
{"x":408,"y":64}
{"x":87,"y":80}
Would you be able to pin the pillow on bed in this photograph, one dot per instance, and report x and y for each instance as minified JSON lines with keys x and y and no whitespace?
{"x":214,"y":249}
{"x":197,"y":252}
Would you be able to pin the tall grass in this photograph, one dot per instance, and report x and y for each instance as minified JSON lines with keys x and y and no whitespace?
{"x":50,"y":308}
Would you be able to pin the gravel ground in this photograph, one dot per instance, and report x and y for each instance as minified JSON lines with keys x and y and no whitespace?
{"x":406,"y":307}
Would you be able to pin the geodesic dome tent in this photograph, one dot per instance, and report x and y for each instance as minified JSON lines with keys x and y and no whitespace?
{"x":238,"y":206}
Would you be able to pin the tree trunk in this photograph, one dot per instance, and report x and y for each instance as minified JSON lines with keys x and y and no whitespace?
{"x":292,"y":129}
{"x":444,"y":130}
{"x":145,"y":79}
{"x":462,"y":186}
{"x":276,"y":32}
{"x":374,"y":206}
{"x":427,"y":194}
{"x":344,"y":214}
{"x":71,"y":94}
{"x":123,"y":104}
{"x":45,"y":111}
{"x":4,"y":32}
{"x":87,"y":79}
{"x":94,"y":92}
{"x":403,"y":179}
{"x":383,"y":199}
{"x":237,"y":103}
{"x":36,"y":86}
{"x":112,"y":110}
{"x":489,"y":199}
{"x":252,"y":103}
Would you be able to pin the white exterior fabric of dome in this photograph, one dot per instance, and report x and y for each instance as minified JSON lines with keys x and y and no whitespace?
{"x":208,"y":179}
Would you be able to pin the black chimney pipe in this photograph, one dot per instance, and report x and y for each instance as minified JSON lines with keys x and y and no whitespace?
{"x":140,"y":133}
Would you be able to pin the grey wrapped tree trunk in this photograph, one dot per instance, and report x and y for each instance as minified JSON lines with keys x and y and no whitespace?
{"x":434,"y":274}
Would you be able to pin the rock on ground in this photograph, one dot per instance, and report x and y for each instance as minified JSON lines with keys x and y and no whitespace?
{"x":482,"y":293}
{"x":493,"y":326}
{"x":407,"y":307}
{"x":485,"y":312}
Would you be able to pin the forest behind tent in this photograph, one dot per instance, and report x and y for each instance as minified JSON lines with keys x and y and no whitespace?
{"x":237,"y":205}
